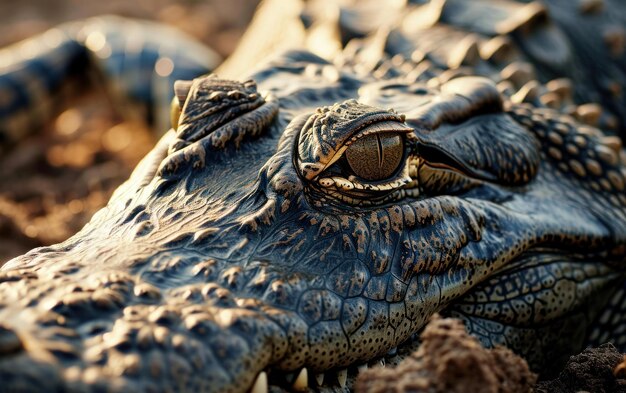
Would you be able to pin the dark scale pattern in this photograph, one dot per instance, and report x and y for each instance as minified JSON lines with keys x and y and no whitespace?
{"x":245,"y":245}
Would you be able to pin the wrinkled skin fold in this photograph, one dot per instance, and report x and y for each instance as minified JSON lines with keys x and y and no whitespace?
{"x":227,"y":253}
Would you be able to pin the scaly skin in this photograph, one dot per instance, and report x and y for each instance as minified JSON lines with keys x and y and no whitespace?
{"x":301,"y":223}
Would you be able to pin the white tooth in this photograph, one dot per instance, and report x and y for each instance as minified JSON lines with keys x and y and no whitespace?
{"x":260,"y":385}
{"x":342,"y":377}
{"x":302,"y":382}
{"x":382,"y":362}
{"x":319,"y":378}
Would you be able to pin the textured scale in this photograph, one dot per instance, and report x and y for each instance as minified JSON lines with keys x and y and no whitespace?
{"x":246,"y":249}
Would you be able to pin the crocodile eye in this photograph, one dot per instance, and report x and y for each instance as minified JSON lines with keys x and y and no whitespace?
{"x":355,"y":154}
{"x":376,"y":157}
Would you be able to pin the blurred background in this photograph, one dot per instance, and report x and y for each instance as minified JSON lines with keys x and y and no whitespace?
{"x":55,"y":180}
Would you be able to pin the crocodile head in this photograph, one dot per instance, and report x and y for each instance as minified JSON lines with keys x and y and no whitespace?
{"x":305,"y":226}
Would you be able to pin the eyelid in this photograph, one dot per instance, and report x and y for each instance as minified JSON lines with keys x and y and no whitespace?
{"x":400,"y":180}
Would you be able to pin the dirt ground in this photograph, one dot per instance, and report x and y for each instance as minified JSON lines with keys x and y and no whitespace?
{"x":51,"y":184}
{"x":449,"y":360}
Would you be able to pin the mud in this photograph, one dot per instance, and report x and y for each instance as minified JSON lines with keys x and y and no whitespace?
{"x":450,"y":360}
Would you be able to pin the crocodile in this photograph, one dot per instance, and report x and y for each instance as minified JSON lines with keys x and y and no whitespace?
{"x":308,"y":219}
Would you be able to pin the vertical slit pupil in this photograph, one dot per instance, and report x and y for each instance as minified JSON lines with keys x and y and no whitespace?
{"x":377,"y":156}
{"x":381,"y":152}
